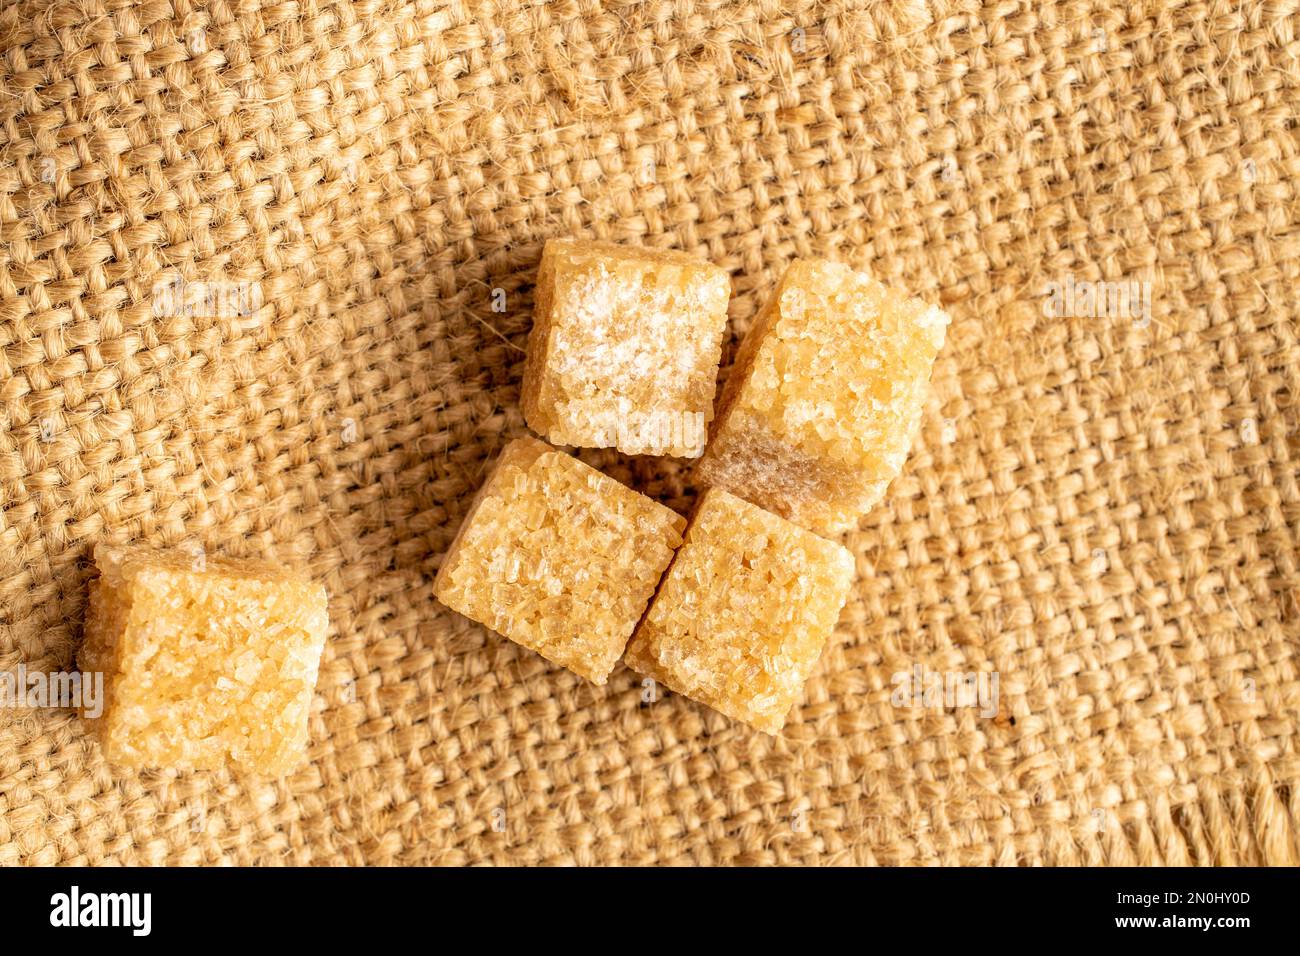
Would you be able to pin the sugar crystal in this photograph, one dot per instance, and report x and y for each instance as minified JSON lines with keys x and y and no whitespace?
{"x":204,"y":665}
{"x":823,"y":403}
{"x":585,"y":555}
{"x":625,"y":348}
{"x":744,"y":611}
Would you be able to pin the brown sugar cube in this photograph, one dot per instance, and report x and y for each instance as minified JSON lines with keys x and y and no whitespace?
{"x":743,"y":612}
{"x":206,"y":662}
{"x":625,"y":348}
{"x":558,"y":557}
{"x":825,"y":397}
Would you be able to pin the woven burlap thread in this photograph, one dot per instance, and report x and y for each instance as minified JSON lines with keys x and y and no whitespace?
{"x":1101,"y":509}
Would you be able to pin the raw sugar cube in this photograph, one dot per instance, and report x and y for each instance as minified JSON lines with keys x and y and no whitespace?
{"x":744,"y":611}
{"x":828,"y":388}
{"x":625,"y":348}
{"x":207,"y":662}
{"x":558,"y":557}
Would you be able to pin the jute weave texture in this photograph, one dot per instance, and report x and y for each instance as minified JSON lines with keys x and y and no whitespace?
{"x":1102,"y":509}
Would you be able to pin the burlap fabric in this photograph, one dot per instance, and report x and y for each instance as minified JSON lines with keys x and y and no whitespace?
{"x":1102,"y":507}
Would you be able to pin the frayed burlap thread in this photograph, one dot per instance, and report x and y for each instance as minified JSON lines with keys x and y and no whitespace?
{"x":1101,"y":509}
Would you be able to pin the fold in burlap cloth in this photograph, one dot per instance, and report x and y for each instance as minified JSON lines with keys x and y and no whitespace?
{"x":1102,"y":507}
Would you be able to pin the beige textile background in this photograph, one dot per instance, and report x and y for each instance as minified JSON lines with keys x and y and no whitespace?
{"x":1101,"y":509}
